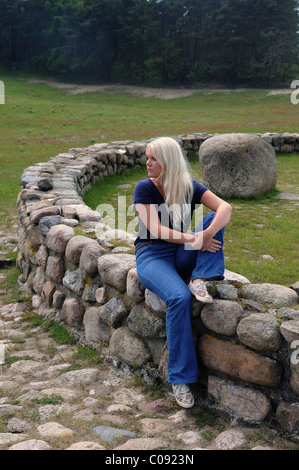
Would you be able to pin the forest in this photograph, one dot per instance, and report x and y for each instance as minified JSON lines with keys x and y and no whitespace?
{"x":153,"y":42}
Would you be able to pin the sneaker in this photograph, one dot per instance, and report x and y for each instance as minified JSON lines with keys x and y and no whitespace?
{"x":200,"y":292}
{"x":183,"y":395}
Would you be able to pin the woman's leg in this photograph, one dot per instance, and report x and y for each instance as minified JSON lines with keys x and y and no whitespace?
{"x":156,"y":271}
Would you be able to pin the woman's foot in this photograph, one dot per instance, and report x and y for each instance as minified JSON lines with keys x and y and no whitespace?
{"x":199,"y":290}
{"x":183,"y":395}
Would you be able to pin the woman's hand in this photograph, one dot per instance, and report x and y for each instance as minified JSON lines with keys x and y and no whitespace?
{"x":204,"y":241}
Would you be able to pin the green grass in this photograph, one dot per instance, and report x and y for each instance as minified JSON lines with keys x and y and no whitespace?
{"x":38,"y":122}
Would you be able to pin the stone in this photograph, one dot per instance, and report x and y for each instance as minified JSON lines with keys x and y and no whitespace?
{"x":135,"y":289}
{"x":55,"y":269}
{"x":17,"y":425}
{"x":72,"y":311}
{"x":37,"y":215}
{"x":54,"y":430}
{"x":42,"y":256}
{"x":113,"y":312}
{"x":295,"y":287}
{"x":47,"y":222}
{"x":95,"y":328}
{"x":58,"y":237}
{"x":128,"y":347}
{"x":109,"y":434}
{"x":287,"y":415}
{"x":154,"y":302}
{"x":190,"y":438}
{"x":77,"y":378}
{"x":58,"y":299}
{"x":238,"y":165}
{"x":237,"y":361}
{"x":226,"y":291}
{"x":146,"y":323}
{"x":33,"y":444}
{"x":86,"y":445}
{"x":273,"y":295}
{"x":89,"y":258}
{"x":114,"y":268}
{"x":7,"y":438}
{"x":152,"y":426}
{"x":73,"y":280}
{"x":118,"y":407}
{"x":84,"y":213}
{"x":229,"y":440}
{"x":25,"y":367}
{"x":294,"y":380}
{"x":48,"y":292}
{"x":38,"y":280}
{"x":232,"y":277}
{"x":290,"y":330}
{"x":45,"y":184}
{"x":260,"y":331}
{"x":222,"y":316}
{"x":75,"y":247}
{"x":242,"y":402}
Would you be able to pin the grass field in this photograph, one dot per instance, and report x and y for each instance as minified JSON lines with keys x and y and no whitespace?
{"x":38,"y":122}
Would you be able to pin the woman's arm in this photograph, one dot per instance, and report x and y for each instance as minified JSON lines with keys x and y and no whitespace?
{"x":150,"y":218}
{"x":204,"y":240}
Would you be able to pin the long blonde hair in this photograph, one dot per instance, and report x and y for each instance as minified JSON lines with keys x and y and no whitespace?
{"x":175,"y":178}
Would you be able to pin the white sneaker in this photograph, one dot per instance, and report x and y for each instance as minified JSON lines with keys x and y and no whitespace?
{"x":200,"y":292}
{"x":183,"y":395}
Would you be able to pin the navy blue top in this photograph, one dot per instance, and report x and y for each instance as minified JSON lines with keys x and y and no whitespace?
{"x":146,"y":192}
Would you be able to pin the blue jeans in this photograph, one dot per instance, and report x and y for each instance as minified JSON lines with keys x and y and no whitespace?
{"x":164,"y":268}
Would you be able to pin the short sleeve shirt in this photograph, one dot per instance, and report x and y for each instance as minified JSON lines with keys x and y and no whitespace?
{"x":146,"y":192}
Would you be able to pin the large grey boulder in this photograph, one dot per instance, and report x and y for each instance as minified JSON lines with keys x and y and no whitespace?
{"x":238,"y":165}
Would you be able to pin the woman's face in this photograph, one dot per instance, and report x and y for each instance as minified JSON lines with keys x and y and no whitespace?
{"x":153,"y":167}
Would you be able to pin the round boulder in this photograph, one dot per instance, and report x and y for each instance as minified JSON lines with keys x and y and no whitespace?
{"x":238,"y":165}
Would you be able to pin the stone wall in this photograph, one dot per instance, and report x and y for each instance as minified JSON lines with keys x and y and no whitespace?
{"x":246,"y":339}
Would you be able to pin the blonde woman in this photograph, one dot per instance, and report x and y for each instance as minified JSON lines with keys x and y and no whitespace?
{"x":167,"y":256}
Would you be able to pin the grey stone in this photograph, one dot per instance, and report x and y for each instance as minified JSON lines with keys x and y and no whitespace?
{"x":135,"y":289}
{"x":146,"y":323}
{"x":32,"y":444}
{"x":77,"y":378}
{"x":47,"y":222}
{"x":238,"y":165}
{"x":222,"y":316}
{"x":109,"y":434}
{"x":73,"y":280}
{"x":114,"y":268}
{"x":260,"y":331}
{"x":153,"y":301}
{"x":55,"y":269}
{"x":270,"y":294}
{"x":89,"y":258}
{"x":72,"y":312}
{"x":113,"y":312}
{"x":242,"y":402}
{"x":95,"y":328}
{"x":290,"y":330}
{"x":58,"y":237}
{"x":75,"y":246}
{"x":128,"y":347}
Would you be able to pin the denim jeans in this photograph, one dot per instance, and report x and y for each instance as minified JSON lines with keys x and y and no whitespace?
{"x":165,"y":268}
